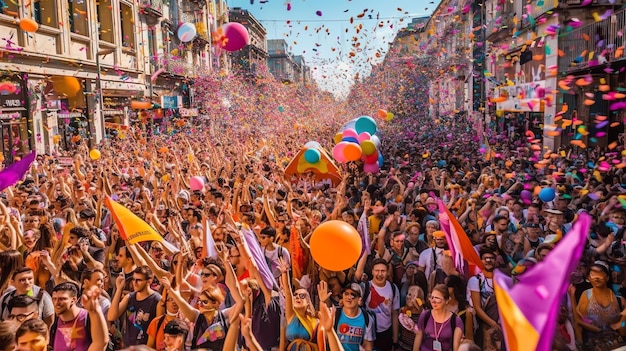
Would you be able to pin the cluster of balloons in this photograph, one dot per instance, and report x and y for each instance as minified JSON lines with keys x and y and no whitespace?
{"x":358,"y":141}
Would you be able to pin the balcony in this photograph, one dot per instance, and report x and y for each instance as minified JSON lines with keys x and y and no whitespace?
{"x":151,"y":8}
{"x":593,"y":45}
{"x":541,"y":7}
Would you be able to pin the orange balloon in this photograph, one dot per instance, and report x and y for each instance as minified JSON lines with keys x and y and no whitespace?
{"x":335,"y":245}
{"x":29,"y":25}
{"x":352,"y":152}
{"x":163,"y":150}
{"x":381,"y":113}
{"x":508,"y":163}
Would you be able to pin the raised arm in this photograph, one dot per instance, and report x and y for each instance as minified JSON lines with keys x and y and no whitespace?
{"x":231,"y":283}
{"x":98,"y":324}
{"x":188,"y":311}
{"x":284,"y":269}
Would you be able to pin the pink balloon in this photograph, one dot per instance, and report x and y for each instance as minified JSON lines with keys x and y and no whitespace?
{"x":196,"y":183}
{"x":371,"y":168}
{"x":350,"y":133}
{"x":364,"y":136}
{"x":338,"y":152}
{"x":236,"y":35}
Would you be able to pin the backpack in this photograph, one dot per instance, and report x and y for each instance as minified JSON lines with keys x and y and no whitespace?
{"x":491,"y":305}
{"x":398,"y":269}
{"x":366,"y":292}
{"x":429,"y":315}
{"x":9,"y":296}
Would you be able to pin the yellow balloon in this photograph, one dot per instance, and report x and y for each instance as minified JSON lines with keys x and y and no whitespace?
{"x":337,"y":138}
{"x":94,"y":154}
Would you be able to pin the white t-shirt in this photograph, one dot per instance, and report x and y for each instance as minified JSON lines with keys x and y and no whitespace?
{"x":380,"y":302}
{"x":426,"y":260}
{"x":484,"y":286}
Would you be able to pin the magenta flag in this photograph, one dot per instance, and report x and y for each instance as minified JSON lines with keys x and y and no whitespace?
{"x":530,"y":308}
{"x":16,"y":171}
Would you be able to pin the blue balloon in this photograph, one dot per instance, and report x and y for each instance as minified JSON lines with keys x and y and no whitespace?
{"x":351,"y":140}
{"x":365,"y":124}
{"x":380,"y":159}
{"x":312,"y":156}
{"x":547,"y":194}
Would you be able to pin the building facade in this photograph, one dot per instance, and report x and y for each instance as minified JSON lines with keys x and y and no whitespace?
{"x":547,"y":66}
{"x":255,"y":53}
{"x":65,"y":78}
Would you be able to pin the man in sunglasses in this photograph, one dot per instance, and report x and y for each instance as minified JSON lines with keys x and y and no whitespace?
{"x":138,"y":307}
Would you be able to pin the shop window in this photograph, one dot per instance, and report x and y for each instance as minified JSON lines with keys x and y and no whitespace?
{"x":9,"y":8}
{"x":105,"y":18}
{"x":128,"y":26}
{"x":45,"y":13}
{"x":78,"y":17}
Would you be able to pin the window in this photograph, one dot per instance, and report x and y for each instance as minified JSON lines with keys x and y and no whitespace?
{"x":78,"y":17}
{"x":45,"y":13}
{"x":128,"y":26}
{"x":105,"y":19}
{"x":9,"y":8}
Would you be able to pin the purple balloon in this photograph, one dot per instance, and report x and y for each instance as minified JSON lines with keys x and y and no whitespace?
{"x":526,"y":195}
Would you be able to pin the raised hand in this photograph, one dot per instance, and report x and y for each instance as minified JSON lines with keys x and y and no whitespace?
{"x":90,"y":299}
{"x":322,"y":291}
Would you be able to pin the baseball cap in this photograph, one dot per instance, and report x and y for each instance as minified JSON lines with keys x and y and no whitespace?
{"x":356,"y":288}
{"x":553,"y":211}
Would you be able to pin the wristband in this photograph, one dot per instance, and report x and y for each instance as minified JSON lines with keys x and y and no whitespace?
{"x":623,"y":324}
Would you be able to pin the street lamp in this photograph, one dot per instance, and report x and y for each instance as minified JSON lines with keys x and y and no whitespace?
{"x":102,"y":52}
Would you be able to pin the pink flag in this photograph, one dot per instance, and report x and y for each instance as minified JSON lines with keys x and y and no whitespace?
{"x":459,"y":243}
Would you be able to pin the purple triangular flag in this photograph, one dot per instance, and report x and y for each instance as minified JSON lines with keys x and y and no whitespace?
{"x":16,"y":171}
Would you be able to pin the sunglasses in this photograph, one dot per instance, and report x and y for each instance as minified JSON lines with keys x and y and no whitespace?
{"x":435,"y":299}
{"x":300,"y":296}
{"x":352,"y":294}
{"x":157,"y":249}
{"x":208,"y":274}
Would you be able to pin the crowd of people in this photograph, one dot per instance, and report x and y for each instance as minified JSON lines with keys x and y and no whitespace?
{"x":70,"y":281}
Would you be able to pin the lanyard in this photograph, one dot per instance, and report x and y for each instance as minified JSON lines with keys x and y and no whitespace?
{"x":440,"y":329}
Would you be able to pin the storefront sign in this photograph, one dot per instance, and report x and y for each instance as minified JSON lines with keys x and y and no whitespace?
{"x":521,"y":97}
{"x":70,"y":115}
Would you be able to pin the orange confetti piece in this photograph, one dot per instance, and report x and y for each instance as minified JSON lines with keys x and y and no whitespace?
{"x":561,"y":53}
{"x":553,"y":133}
{"x":537,"y":57}
{"x":614,"y":124}
{"x":612,"y":145}
{"x":604,"y":87}
{"x":601,"y":118}
{"x":582,"y":82}
{"x":589,"y":102}
{"x":586,"y":37}
{"x":619,"y":51}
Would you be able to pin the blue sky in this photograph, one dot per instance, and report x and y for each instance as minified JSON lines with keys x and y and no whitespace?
{"x":324,"y":31}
